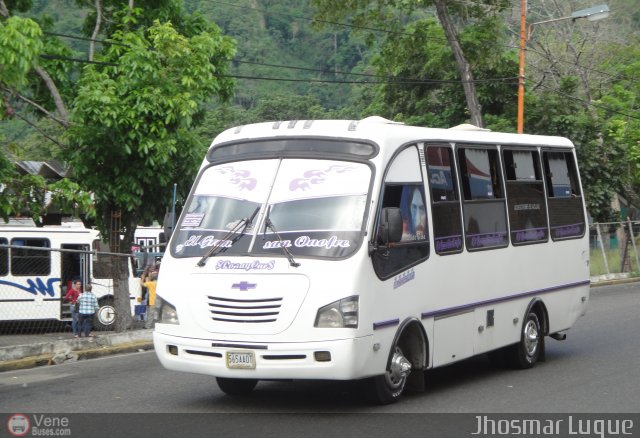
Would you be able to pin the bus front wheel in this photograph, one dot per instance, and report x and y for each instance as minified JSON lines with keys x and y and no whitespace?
{"x":236,"y":386}
{"x":388,"y":387}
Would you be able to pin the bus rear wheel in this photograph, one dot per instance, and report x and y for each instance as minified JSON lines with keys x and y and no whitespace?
{"x":236,"y":386}
{"x":106,"y":315}
{"x":388,"y":388}
{"x":526,"y":353}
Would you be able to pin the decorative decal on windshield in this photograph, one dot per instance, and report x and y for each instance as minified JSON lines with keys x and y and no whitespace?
{"x":246,"y":266}
{"x":239,"y":177}
{"x":308,"y":242}
{"x":316,"y":177}
{"x":192,"y":219}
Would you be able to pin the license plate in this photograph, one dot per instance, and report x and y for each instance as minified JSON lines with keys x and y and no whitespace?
{"x":241,"y":359}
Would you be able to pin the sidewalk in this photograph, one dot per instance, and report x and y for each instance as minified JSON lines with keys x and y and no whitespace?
{"x":32,"y":350}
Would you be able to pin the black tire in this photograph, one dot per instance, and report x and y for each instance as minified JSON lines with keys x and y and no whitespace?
{"x":526,"y":353}
{"x":236,"y":386}
{"x":106,"y":315}
{"x":389,"y":387}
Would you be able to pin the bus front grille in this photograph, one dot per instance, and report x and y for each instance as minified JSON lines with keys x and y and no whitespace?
{"x":261,"y":310}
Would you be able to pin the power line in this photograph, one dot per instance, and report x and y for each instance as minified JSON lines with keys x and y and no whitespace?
{"x":586,"y":102}
{"x":73,"y":37}
{"x":313,"y":20}
{"x":85,"y":61}
{"x":391,"y":81}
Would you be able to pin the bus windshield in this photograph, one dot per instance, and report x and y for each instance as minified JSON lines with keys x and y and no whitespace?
{"x":313,"y":208}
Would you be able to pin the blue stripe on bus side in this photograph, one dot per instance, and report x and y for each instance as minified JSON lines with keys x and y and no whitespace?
{"x":441,"y":312}
{"x":383,"y":324}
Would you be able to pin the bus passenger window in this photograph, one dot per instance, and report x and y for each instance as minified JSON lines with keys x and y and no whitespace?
{"x":447,"y":217}
{"x":4,"y":257}
{"x":525,"y":197}
{"x":566,"y":215}
{"x":30,"y":261}
{"x":484,"y":211}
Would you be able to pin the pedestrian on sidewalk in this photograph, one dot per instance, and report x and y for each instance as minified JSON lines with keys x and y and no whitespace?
{"x":88,"y":308}
{"x":71,"y":297}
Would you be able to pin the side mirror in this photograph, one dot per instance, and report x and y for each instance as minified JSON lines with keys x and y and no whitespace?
{"x":390,"y":225}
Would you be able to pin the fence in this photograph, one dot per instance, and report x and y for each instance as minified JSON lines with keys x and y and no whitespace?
{"x":34,"y":279}
{"x":614,"y":250}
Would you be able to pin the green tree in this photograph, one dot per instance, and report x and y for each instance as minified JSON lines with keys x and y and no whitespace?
{"x":132,"y":133}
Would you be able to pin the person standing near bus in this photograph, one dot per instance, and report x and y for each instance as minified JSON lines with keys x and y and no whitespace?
{"x":88,"y":308}
{"x":149,"y":281}
{"x":71,"y":297}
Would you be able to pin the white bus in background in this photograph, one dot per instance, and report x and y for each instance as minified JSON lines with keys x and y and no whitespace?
{"x":371,"y":250}
{"x":38,"y":265}
{"x":149,"y":239}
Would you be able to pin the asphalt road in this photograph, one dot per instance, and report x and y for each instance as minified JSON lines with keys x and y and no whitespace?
{"x":596,"y":370}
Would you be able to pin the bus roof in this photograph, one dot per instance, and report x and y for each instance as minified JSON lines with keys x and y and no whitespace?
{"x":381,"y":131}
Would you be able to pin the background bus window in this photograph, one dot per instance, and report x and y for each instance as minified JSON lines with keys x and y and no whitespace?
{"x":445,"y":205}
{"x":4,"y":257}
{"x":566,"y":215}
{"x":28,"y":261}
{"x":525,"y":197}
{"x":484,"y":211}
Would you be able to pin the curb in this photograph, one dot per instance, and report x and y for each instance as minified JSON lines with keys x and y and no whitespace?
{"x":89,"y":353}
{"x":615,"y":281}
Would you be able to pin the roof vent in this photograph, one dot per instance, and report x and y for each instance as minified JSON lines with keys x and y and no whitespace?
{"x":378,"y":119}
{"x":468,"y":127}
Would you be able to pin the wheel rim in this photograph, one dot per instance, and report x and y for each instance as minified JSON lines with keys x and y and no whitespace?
{"x":531,"y":338}
{"x":106,"y":315}
{"x":398,"y":371}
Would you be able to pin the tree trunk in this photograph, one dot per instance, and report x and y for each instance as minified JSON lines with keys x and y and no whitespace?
{"x":55,"y":94}
{"x":475,"y":110}
{"x":121,"y":302}
{"x":96,"y":29}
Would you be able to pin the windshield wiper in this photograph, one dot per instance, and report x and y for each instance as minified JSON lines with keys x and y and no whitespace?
{"x":287,"y":253}
{"x":238,"y":228}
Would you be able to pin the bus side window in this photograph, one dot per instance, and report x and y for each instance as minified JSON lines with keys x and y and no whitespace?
{"x":483,"y":207}
{"x":4,"y":257}
{"x":404,"y":189}
{"x":566,"y":214}
{"x":445,"y":205}
{"x":525,"y":197}
{"x":30,"y":261}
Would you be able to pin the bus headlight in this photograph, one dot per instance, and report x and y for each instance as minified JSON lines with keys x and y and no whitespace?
{"x":166,"y":312}
{"x":340,"y":314}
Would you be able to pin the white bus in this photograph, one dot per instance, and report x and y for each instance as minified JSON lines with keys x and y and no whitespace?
{"x":371,"y":250}
{"x":38,"y":265}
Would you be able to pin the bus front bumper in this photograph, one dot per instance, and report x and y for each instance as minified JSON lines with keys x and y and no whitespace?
{"x":343,"y":359}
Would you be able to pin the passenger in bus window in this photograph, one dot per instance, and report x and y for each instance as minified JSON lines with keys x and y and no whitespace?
{"x":71,"y":297}
{"x":414,"y":216}
{"x":88,"y":307}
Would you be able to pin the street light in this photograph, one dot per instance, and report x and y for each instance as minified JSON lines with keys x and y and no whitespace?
{"x":592,"y":14}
